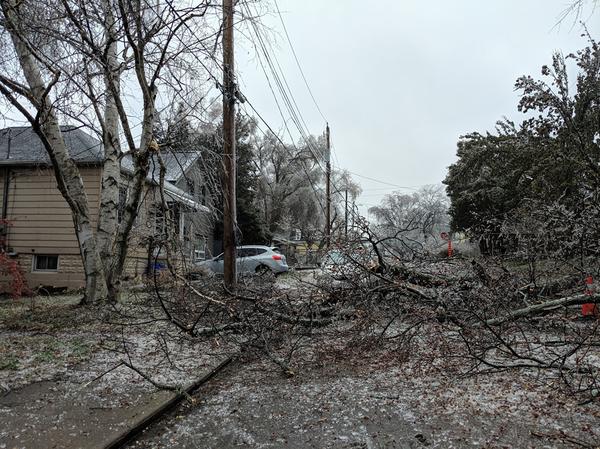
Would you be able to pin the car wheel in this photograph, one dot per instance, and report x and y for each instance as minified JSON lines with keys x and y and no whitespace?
{"x":262,"y":270}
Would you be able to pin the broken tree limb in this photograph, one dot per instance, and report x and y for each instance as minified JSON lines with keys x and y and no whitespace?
{"x":551,"y":286}
{"x":545,"y":307}
{"x":417,"y":277}
{"x":159,"y":385}
{"x":407,"y":287}
{"x":102,"y":375}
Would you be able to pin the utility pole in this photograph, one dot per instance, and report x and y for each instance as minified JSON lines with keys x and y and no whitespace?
{"x":229,"y":197}
{"x":346,"y":215}
{"x":328,"y":189}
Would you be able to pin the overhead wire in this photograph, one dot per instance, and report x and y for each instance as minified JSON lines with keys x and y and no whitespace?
{"x":288,"y":99}
{"x":283,"y":87}
{"x":296,"y":116}
{"x":292,"y":107}
{"x":289,"y":104}
{"x":297,"y":61}
{"x":285,"y":147}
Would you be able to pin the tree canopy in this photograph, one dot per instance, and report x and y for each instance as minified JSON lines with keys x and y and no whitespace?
{"x":552,"y":157}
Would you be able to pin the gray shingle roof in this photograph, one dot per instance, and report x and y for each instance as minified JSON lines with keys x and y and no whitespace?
{"x":176,"y":163}
{"x":26,"y":147}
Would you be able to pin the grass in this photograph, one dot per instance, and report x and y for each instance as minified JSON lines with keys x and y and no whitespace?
{"x":45,"y":314}
{"x":46,"y":331}
{"x":9,"y":362}
{"x":32,"y":351}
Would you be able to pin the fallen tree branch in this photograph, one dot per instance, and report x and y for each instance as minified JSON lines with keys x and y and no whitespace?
{"x":210,"y":331}
{"x":158,"y":385}
{"x":417,"y":277}
{"x":551,"y":286}
{"x":545,"y":307}
{"x":198,"y":293}
{"x":102,"y":375}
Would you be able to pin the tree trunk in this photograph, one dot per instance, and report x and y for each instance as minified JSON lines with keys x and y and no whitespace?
{"x":544,"y":307}
{"x":136,"y":189}
{"x":111,"y":173}
{"x":66,"y":172}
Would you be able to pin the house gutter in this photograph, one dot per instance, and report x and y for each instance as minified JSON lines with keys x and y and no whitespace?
{"x":182,"y":198}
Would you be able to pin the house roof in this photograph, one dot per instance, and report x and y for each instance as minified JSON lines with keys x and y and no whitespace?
{"x":174,"y":172}
{"x":22,"y":145}
{"x":176,"y":163}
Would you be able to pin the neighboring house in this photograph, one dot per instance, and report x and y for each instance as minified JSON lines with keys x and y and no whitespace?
{"x":39,"y":230}
{"x":184,"y":170}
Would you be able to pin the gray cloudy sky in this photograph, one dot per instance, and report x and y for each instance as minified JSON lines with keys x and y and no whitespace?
{"x":400,"y":81}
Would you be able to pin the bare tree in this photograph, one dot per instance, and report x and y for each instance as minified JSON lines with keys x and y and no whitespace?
{"x":40,"y":78}
{"x":153,"y":46}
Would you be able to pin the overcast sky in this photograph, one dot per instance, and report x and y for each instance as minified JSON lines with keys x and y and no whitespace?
{"x":400,"y":81}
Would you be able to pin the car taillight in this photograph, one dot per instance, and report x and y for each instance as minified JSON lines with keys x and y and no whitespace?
{"x":276,"y":257}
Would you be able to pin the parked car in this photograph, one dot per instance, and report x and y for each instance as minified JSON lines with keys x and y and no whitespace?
{"x":250,"y":259}
{"x":342,"y":265}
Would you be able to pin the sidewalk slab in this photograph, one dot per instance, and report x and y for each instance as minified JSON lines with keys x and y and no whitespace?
{"x":61,"y":414}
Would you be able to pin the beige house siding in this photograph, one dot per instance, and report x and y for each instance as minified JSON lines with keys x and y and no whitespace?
{"x":41,"y":223}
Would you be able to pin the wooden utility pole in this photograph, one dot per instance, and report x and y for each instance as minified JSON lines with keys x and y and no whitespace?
{"x":328,"y":189}
{"x":346,"y":215}
{"x":229,"y":197}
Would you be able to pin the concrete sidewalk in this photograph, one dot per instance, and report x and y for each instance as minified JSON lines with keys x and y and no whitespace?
{"x":63,"y":414}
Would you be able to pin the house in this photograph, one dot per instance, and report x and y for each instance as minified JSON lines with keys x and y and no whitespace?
{"x":37,"y":228}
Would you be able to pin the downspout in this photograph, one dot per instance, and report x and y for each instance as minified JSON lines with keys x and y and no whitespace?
{"x":5,"y":196}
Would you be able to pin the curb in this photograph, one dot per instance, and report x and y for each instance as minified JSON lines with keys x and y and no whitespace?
{"x":137,"y":427}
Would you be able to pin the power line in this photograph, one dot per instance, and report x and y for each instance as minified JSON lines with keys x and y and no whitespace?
{"x":285,"y":147}
{"x":379,"y":181}
{"x":297,"y":61}
{"x":291,"y":105}
{"x":286,"y":95}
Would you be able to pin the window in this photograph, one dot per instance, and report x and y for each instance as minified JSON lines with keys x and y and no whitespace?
{"x":45,"y":263}
{"x":199,"y":248}
{"x":245,"y":252}
{"x":159,"y":220}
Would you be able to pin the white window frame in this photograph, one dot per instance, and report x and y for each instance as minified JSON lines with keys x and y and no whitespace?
{"x":38,"y":270}
{"x":196,"y":248}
